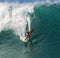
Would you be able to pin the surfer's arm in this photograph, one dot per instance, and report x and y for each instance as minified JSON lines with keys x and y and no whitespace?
{"x":25,"y":38}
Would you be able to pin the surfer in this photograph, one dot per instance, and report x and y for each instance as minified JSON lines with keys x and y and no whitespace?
{"x":28,"y":35}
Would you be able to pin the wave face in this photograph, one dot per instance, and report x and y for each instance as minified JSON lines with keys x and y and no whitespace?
{"x":16,"y":19}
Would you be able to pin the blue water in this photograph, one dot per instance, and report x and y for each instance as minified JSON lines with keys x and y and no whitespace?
{"x":46,"y":40}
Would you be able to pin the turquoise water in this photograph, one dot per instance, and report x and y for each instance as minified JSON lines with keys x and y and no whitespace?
{"x":46,"y":40}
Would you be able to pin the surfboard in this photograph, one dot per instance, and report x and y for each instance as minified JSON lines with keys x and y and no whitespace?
{"x":25,"y":40}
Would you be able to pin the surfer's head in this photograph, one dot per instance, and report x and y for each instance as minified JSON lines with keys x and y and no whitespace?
{"x":32,"y":30}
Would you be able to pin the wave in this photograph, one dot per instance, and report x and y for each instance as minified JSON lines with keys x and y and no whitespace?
{"x":43,"y":18}
{"x":23,"y":17}
{"x":15,"y":17}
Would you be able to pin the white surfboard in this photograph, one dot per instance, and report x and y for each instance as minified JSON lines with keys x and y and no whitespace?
{"x":25,"y":40}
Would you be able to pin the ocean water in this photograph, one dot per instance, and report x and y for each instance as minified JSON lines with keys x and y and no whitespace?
{"x":44,"y":19}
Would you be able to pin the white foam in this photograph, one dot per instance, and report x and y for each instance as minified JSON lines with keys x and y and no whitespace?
{"x":15,"y":17}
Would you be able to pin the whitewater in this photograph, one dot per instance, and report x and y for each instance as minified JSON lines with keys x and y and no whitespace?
{"x":15,"y":17}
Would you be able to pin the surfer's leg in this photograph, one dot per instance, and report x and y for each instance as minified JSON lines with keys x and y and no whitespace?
{"x":25,"y":44}
{"x":30,"y":42}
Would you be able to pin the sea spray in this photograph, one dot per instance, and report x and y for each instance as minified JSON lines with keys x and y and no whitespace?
{"x":16,"y":17}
